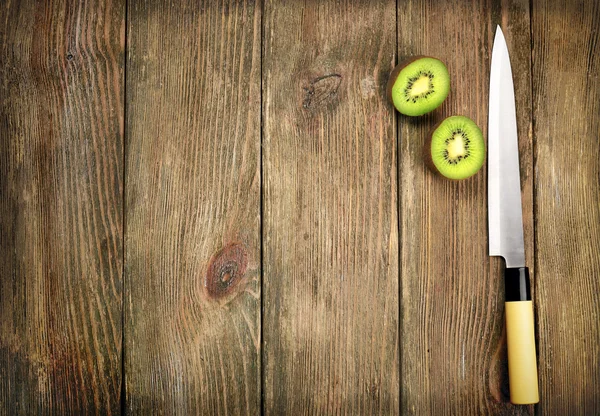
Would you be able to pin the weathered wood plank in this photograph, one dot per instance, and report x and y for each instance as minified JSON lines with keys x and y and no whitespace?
{"x":330,"y":209}
{"x":192,"y":323}
{"x":61,"y":170}
{"x":566,"y":88}
{"x":453,"y":354}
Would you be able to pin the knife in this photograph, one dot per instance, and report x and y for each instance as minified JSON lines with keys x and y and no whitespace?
{"x":506,"y":227}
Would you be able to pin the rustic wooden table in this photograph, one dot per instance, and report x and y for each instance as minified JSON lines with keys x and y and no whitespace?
{"x":212,"y":209}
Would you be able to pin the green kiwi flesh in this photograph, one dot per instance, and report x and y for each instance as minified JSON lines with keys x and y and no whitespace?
{"x":455,"y":148}
{"x":418,"y":85}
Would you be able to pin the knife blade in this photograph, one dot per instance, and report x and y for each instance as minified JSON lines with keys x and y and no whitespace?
{"x":504,"y":190}
{"x":505,"y":222}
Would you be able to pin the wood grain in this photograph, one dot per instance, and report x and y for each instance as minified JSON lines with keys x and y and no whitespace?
{"x":192,"y":321}
{"x":61,"y":152}
{"x":566,"y":63}
{"x":330,"y":300}
{"x":453,"y":350}
{"x":338,"y":335}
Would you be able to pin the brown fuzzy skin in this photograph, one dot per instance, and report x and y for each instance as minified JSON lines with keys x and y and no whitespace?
{"x":396,"y":71}
{"x":427,"y":152}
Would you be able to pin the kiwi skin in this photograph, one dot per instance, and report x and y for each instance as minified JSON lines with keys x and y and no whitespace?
{"x":427,"y":152}
{"x":429,"y":160}
{"x":396,"y":71}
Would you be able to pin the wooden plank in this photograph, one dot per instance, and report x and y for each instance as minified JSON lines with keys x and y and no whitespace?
{"x":330,"y":305}
{"x":61,"y":153}
{"x":453,"y":347}
{"x":192,"y":322}
{"x":566,"y":88}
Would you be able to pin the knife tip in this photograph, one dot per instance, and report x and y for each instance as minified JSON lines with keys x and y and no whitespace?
{"x":499,"y":37}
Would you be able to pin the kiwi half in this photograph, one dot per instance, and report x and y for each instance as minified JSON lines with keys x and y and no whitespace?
{"x":418,"y":85}
{"x":455,"y":148}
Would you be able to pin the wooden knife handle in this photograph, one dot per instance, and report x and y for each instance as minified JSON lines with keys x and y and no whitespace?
{"x":520,"y":337}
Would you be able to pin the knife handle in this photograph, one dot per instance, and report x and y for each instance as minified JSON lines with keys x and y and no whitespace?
{"x":520,"y":337}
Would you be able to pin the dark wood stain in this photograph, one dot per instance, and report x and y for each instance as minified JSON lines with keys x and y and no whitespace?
{"x":61,"y":184}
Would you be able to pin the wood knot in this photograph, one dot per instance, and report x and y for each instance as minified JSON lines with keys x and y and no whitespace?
{"x":225,"y":270}
{"x":321,"y":91}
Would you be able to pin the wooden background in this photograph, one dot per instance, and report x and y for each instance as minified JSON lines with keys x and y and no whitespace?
{"x":210,"y":208}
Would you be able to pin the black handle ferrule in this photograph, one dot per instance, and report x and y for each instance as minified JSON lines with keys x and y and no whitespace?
{"x":516,"y":284}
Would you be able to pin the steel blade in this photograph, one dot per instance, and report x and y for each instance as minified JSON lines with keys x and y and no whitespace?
{"x":504,"y":184}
